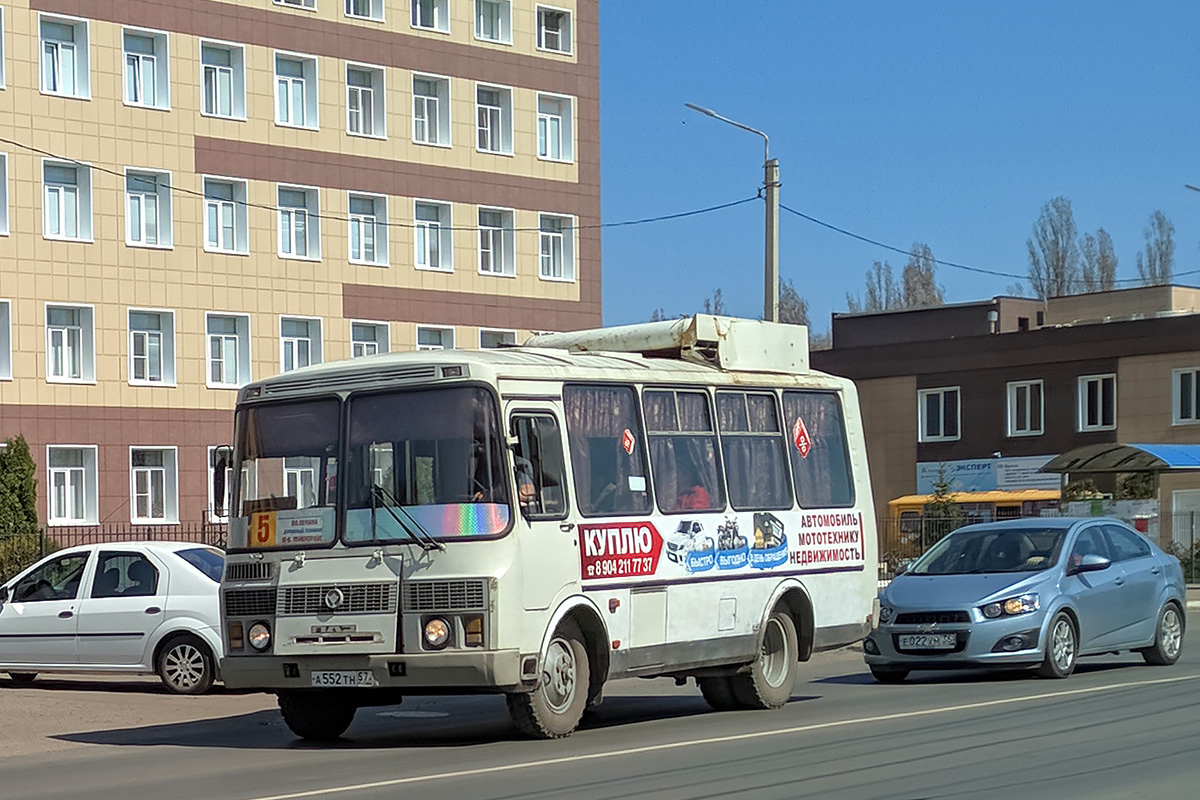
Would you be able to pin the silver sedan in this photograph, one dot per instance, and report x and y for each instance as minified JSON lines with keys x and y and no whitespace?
{"x":1030,"y":593}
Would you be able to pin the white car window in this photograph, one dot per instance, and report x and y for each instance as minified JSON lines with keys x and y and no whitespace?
{"x":124,"y":575}
{"x":57,"y":579}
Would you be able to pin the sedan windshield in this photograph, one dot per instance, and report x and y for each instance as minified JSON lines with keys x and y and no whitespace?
{"x":983,"y":549}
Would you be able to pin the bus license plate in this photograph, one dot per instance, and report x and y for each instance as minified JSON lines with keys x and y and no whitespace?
{"x":928,"y":641}
{"x":343,"y":678}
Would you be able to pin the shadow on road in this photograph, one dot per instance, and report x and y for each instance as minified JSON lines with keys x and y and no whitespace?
{"x":419,"y":723}
{"x":108,"y":685}
{"x":967,"y":676}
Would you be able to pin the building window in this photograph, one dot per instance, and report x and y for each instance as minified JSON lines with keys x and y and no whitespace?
{"x":1025,"y":408}
{"x":431,"y":110}
{"x":1185,"y":389}
{"x":368,"y":338}
{"x":432,"y":15}
{"x":147,"y":81}
{"x":491,"y":339}
{"x":71,"y":479}
{"x":493,"y":112}
{"x":364,"y":101}
{"x":939,"y":412}
{"x":153,"y":478}
{"x":3,"y":188}
{"x":553,"y":29}
{"x":496,"y":249}
{"x":299,"y":225}
{"x":309,"y":4}
{"x":435,"y":338}
{"x":556,"y":236}
{"x":555,"y":128}
{"x":67,"y":201}
{"x":368,"y":229}
{"x":226,"y":227}
{"x":228,"y":350}
{"x":5,"y":341}
{"x":296,"y":91}
{"x":64,"y":57}
{"x":148,"y":209}
{"x":223,"y":80}
{"x":2,"y":51}
{"x":365,"y":9}
{"x":299,"y":342}
{"x":433,"y":236}
{"x":493,"y":21}
{"x":151,"y":347}
{"x":70,"y":344}
{"x":1097,"y":403}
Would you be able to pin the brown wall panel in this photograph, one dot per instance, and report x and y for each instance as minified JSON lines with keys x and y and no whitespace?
{"x":464,"y":308}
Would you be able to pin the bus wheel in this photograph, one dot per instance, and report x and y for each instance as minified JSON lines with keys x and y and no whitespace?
{"x":319,"y":716}
{"x":554,"y":708}
{"x":718,"y":692}
{"x":768,"y":682}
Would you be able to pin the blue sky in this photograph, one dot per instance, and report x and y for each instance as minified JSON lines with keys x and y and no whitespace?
{"x":946,"y":123}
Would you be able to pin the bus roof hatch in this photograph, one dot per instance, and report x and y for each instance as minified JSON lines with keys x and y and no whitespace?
{"x":726,"y":343}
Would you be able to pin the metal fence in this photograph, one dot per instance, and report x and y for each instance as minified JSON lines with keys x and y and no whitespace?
{"x":18,"y":551}
{"x":902,"y":540}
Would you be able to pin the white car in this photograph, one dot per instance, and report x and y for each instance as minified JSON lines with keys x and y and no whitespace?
{"x":125,"y":607}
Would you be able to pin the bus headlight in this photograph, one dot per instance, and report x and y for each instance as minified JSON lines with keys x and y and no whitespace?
{"x":437,"y":633}
{"x":259,"y":636}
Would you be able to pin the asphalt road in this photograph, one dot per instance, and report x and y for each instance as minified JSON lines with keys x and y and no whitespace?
{"x":1115,"y":729}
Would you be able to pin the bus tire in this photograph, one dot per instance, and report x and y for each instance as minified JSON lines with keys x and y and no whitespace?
{"x":768,"y":682}
{"x":718,"y":692}
{"x":316,"y":716}
{"x":554,"y":708}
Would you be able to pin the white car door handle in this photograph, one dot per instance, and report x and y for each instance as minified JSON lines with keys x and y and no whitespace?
{"x":66,"y":614}
{"x":153,"y":610}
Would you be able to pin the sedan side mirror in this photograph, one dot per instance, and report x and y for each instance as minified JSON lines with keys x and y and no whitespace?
{"x":1090,"y":563}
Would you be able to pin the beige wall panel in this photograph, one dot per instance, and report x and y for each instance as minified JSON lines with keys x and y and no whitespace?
{"x":889,"y":411}
{"x":1145,"y":398}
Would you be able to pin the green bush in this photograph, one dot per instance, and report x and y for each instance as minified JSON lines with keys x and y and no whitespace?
{"x":20,"y":550}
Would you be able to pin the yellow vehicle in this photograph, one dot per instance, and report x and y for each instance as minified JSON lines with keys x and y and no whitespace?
{"x":906,"y":524}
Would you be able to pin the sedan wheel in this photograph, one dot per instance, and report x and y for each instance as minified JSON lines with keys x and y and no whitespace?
{"x":1168,"y":639}
{"x":1062,"y":646}
{"x":185,"y":666}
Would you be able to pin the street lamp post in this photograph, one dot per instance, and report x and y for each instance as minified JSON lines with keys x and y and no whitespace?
{"x":771,"y":185}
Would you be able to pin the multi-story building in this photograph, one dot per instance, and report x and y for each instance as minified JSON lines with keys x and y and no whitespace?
{"x":195,"y":193}
{"x":997,"y":388}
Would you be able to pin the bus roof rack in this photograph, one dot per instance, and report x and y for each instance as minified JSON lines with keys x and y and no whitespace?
{"x":726,"y":343}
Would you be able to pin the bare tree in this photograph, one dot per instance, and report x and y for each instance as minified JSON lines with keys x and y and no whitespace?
{"x":1155,"y":268}
{"x":882,"y":292}
{"x":920,"y":284}
{"x":716,"y":303}
{"x":1053,"y":254}
{"x":1099,"y":262}
{"x":793,"y":308}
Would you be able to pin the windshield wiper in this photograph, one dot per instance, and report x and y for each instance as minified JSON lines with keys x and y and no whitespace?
{"x":424,"y":540}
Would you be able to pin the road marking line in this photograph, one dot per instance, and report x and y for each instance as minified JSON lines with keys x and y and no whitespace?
{"x":736,"y":737}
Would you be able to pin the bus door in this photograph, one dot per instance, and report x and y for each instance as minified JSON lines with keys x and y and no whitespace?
{"x":549,"y":548}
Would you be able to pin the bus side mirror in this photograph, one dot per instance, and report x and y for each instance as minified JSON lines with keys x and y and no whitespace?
{"x":222,"y":462}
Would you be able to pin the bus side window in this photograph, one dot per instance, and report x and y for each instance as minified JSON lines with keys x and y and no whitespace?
{"x":683,"y":451}
{"x":820,"y":454}
{"x":607,"y":450}
{"x":538,"y":467}
{"x":754,"y":449}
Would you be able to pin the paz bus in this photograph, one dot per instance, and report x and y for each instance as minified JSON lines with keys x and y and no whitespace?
{"x":683,"y":499}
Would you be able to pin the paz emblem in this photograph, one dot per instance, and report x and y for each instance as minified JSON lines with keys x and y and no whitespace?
{"x":334,"y":599}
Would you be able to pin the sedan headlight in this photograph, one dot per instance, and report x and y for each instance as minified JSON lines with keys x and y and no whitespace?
{"x":259,"y":636}
{"x":1012,"y":607}
{"x":886,"y":613}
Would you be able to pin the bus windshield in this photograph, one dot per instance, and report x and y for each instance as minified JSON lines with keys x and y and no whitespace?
{"x":425,"y":463}
{"x":289,"y":468}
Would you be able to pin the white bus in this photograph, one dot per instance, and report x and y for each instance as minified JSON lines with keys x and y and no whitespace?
{"x":679,"y":499}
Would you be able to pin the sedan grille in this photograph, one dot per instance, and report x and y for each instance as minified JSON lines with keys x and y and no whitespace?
{"x":248,"y":571}
{"x":445,"y":595}
{"x":249,"y":602}
{"x":356,"y":598}
{"x":931,"y":617}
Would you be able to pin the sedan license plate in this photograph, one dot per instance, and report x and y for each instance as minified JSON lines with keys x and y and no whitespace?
{"x":343,"y":678}
{"x":927,"y":641}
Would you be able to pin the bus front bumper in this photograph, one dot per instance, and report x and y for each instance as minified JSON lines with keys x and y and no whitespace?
{"x":491,"y":670}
